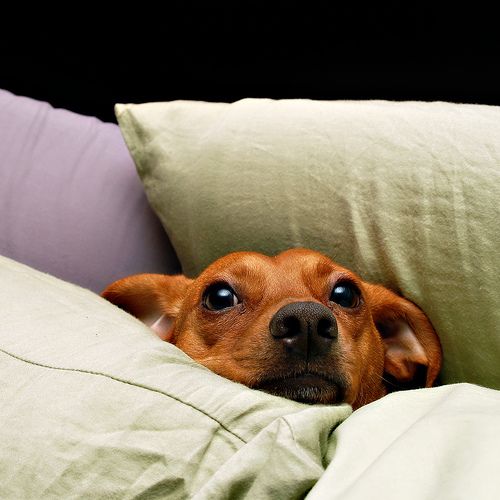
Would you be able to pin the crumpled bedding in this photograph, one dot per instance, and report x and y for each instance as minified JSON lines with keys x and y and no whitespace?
{"x":94,"y":405}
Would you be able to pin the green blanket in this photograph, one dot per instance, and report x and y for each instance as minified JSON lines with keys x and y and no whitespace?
{"x":94,"y":405}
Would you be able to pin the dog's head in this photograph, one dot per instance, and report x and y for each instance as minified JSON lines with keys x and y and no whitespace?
{"x":296,"y":325}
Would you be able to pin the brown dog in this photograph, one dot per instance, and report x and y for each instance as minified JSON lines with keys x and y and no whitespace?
{"x":296,"y":325}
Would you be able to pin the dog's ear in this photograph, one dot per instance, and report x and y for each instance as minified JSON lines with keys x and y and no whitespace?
{"x":155,"y":299}
{"x":412,"y":349}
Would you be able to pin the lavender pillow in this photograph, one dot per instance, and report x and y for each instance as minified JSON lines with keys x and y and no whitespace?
{"x":71,"y":203}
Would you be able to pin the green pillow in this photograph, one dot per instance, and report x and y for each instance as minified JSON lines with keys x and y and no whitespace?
{"x":94,"y":405}
{"x":406,"y":194}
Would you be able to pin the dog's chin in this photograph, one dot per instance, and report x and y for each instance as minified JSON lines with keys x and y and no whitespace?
{"x":306,"y":388}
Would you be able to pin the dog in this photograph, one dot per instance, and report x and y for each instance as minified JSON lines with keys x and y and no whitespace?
{"x":295,"y":325}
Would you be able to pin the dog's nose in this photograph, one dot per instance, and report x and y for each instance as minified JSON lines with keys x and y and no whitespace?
{"x":306,"y":329}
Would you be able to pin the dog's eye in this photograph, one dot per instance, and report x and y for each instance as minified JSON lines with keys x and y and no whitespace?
{"x":346,"y":295}
{"x":219,"y":296}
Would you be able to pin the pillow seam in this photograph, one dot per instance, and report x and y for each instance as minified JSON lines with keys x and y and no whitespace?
{"x":116,"y":379}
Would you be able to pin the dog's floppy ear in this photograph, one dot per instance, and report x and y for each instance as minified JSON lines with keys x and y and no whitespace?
{"x":155,"y":299}
{"x":412,"y":348}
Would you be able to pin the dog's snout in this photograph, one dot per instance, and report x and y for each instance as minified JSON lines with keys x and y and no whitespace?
{"x":305,"y":328}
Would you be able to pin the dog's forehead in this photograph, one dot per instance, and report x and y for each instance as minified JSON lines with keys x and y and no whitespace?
{"x":306,"y":261}
{"x":296,"y":263}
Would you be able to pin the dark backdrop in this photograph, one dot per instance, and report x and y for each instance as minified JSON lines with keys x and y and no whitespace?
{"x":220,"y":53}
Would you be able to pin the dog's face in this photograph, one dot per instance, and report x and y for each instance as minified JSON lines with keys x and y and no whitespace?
{"x":296,"y":325}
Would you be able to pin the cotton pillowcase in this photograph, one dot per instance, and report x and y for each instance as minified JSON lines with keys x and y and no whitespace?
{"x":404,"y":193}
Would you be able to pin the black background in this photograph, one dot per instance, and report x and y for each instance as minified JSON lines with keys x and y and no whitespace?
{"x":86,"y":63}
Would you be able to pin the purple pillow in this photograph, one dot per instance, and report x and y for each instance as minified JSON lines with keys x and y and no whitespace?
{"x":71,"y":203}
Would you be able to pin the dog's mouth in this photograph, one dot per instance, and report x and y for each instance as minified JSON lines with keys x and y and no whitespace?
{"x":306,"y":387}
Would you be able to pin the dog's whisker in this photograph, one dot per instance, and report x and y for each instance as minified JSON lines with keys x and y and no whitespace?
{"x":391,"y":383}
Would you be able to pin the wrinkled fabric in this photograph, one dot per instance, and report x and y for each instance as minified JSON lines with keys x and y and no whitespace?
{"x":404,"y":193}
{"x":94,"y":405}
{"x":418,"y":445}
